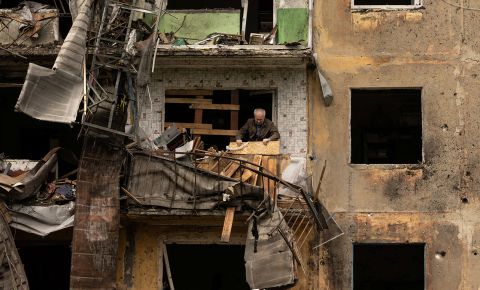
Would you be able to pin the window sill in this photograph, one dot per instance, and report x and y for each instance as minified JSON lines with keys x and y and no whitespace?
{"x":388,"y":166}
{"x":379,"y":8}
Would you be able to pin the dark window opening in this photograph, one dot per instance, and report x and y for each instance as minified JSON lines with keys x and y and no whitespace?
{"x":26,"y":138}
{"x":47,"y":259}
{"x":388,"y":266}
{"x":203,"y":4}
{"x":386,"y":126}
{"x":259,"y":17}
{"x":207,"y":267}
{"x":384,"y":2}
{"x":217,"y":127}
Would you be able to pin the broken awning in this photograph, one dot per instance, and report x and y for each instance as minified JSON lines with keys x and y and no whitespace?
{"x":169,"y":183}
{"x":42,"y":220}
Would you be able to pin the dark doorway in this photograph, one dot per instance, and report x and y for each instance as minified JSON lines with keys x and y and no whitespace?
{"x":207,"y":267}
{"x":384,"y":2}
{"x":47,"y":266}
{"x":259,"y":17}
{"x":388,"y":266}
{"x":386,"y":126}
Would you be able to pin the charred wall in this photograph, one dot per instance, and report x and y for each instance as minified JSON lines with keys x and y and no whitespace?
{"x":434,"y":48}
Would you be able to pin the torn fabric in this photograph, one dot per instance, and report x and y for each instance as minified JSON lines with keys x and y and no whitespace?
{"x":42,"y":220}
{"x":55,"y":95}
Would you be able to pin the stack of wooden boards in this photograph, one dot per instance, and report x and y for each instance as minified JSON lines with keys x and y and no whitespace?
{"x":257,"y":154}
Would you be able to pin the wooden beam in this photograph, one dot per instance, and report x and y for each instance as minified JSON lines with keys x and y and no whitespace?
{"x":187,"y":101}
{"x":167,"y":267}
{"x":218,"y":132}
{"x":225,"y":107}
{"x":227,"y":225}
{"x":234,"y":99}
{"x":188,"y":92}
{"x":10,"y":85}
{"x":189,"y":125}
{"x":230,"y":169}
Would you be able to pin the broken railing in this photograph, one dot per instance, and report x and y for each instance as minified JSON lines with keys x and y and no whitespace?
{"x":299,"y":211}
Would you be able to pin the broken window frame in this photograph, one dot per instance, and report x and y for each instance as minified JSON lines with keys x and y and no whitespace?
{"x":416,"y":4}
{"x":385,"y":165}
{"x":273,"y":91}
{"x":244,"y":14}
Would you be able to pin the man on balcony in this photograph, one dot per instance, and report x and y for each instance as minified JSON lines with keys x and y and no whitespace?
{"x":258,"y":129}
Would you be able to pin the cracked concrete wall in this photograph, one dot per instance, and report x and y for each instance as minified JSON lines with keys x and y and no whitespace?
{"x":434,"y":48}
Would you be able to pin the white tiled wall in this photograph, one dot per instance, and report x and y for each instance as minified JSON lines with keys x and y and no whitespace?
{"x":291,"y":97}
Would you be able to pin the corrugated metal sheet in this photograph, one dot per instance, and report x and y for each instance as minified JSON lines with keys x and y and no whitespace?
{"x":50,"y":95}
{"x":157,"y":181}
{"x":55,"y":95}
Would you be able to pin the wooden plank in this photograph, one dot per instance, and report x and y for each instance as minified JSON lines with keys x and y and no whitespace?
{"x":188,"y":92}
{"x":256,"y":147}
{"x":189,"y":125}
{"x":247,"y":174}
{"x":218,"y":132}
{"x":231,"y":168}
{"x":255,"y":175}
{"x":234,"y":99}
{"x":187,"y":101}
{"x":167,"y":267}
{"x":227,"y":225}
{"x":198,"y":115}
{"x":225,"y":107}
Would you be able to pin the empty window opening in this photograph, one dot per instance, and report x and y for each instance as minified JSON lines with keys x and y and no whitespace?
{"x":28,"y":138}
{"x":388,"y":266}
{"x":386,"y":2}
{"x":216,"y":115}
{"x":207,"y":267}
{"x":203,"y":4}
{"x":386,"y":126}
{"x":46,"y":259}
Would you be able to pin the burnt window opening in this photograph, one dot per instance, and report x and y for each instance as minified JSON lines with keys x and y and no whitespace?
{"x":207,"y":267}
{"x":386,"y":126}
{"x":216,"y":127}
{"x":203,"y":4}
{"x":388,"y":266}
{"x":386,"y":2}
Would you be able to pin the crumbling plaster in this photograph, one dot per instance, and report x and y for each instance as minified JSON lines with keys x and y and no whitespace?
{"x":434,"y":48}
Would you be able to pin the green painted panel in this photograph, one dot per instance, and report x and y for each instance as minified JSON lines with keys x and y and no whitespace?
{"x":292,"y":25}
{"x":197,"y":25}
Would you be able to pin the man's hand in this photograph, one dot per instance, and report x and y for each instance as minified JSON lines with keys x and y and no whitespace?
{"x":265,"y":141}
{"x":239,"y":142}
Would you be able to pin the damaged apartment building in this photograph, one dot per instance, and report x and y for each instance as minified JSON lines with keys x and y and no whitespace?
{"x":119,"y":166}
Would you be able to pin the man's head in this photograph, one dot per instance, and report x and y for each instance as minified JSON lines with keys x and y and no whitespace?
{"x":259,"y":115}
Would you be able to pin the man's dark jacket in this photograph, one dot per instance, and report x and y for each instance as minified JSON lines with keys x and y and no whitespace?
{"x":267,"y":130}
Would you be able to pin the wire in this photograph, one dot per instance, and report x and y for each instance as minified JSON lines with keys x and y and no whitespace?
{"x":458,"y":6}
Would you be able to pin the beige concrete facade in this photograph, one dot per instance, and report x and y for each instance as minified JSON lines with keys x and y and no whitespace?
{"x":434,"y":48}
